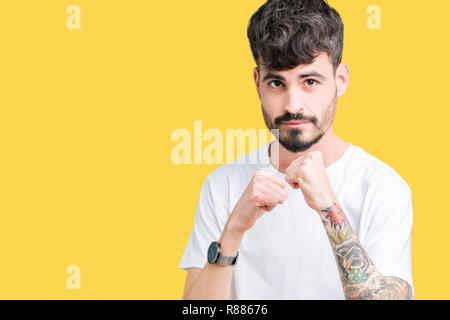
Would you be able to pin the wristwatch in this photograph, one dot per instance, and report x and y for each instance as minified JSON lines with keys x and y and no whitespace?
{"x":216,"y":257}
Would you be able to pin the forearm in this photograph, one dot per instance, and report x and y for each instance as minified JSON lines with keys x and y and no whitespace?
{"x":214,"y":281}
{"x":359,"y":276}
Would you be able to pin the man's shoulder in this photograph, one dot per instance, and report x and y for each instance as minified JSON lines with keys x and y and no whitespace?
{"x":377,"y":171}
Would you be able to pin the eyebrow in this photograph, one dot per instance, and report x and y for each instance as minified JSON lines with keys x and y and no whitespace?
{"x":301,"y":76}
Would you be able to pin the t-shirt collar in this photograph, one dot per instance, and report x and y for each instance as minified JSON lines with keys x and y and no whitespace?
{"x":331,"y":168}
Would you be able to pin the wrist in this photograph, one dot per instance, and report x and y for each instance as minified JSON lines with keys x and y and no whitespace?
{"x":325,"y":205}
{"x":231,"y":238}
{"x":333,"y":216}
{"x":234,"y":225}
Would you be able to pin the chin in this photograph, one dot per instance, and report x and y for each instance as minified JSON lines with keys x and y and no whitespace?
{"x":299,"y":145}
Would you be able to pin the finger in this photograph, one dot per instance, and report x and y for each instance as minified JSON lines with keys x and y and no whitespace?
{"x":268,"y":208}
{"x":279,"y":181}
{"x":291,"y":177}
{"x":282,"y":193}
{"x":261,"y":197}
{"x":273,"y":195}
{"x":294,"y":185}
{"x":295,"y":181}
{"x":276,"y":184}
{"x":265,"y":197}
{"x":291,"y":174}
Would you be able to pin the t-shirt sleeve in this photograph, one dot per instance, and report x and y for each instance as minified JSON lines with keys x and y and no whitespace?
{"x":388,"y":240}
{"x":207,"y":227}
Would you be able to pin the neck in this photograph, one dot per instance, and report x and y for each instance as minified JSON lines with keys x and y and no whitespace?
{"x":331,"y":146}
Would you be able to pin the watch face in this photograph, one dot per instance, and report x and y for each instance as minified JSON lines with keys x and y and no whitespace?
{"x":213,"y":251}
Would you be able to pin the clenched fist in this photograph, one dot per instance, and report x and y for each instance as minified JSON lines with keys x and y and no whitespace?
{"x":263,"y":193}
{"x":308,"y":173}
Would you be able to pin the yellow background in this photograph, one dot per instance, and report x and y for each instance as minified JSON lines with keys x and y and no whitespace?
{"x":86,"y":117}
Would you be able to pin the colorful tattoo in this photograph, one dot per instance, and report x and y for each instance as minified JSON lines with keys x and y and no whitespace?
{"x":359,"y":276}
{"x":336,"y":215}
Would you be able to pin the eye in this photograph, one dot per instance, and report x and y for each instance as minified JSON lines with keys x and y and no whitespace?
{"x":310,"y":83}
{"x":275,"y":81}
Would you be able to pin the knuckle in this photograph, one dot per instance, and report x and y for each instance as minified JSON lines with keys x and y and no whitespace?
{"x":254,"y":196}
{"x":257,"y":178}
{"x":258,"y":172}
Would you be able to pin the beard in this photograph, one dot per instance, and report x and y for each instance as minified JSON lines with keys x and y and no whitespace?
{"x":299,"y":140}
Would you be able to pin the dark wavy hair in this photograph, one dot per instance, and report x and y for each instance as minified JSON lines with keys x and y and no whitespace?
{"x":286,"y":33}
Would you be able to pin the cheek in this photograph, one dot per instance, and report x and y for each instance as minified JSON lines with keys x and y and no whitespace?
{"x":272,"y":106}
{"x":323,"y":103}
{"x":322,"y":98}
{"x":270,"y":100}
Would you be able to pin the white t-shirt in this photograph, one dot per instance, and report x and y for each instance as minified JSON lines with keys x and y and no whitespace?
{"x":287,"y":254}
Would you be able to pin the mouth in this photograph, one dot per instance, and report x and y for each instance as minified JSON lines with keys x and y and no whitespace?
{"x":295,"y":123}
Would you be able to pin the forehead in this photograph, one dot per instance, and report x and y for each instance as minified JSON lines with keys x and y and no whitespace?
{"x":322,"y":65}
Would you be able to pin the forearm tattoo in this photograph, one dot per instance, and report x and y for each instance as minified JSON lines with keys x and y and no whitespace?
{"x":360,"y":278}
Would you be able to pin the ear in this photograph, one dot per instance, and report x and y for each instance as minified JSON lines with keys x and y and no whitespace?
{"x":342,"y":78}
{"x":256,"y":79}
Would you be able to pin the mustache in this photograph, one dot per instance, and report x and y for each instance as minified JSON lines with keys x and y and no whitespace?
{"x":291,"y":117}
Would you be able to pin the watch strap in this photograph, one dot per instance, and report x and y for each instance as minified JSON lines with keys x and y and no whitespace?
{"x":226,"y":261}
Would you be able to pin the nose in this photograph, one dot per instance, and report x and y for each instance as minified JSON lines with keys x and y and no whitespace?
{"x":294,"y":102}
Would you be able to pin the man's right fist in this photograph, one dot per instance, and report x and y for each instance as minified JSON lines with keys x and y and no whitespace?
{"x":262,"y":194}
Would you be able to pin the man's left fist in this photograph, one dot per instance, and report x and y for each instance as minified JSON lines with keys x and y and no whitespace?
{"x":308,"y":173}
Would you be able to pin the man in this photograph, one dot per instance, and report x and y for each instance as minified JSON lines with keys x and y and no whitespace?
{"x":325,"y":219}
